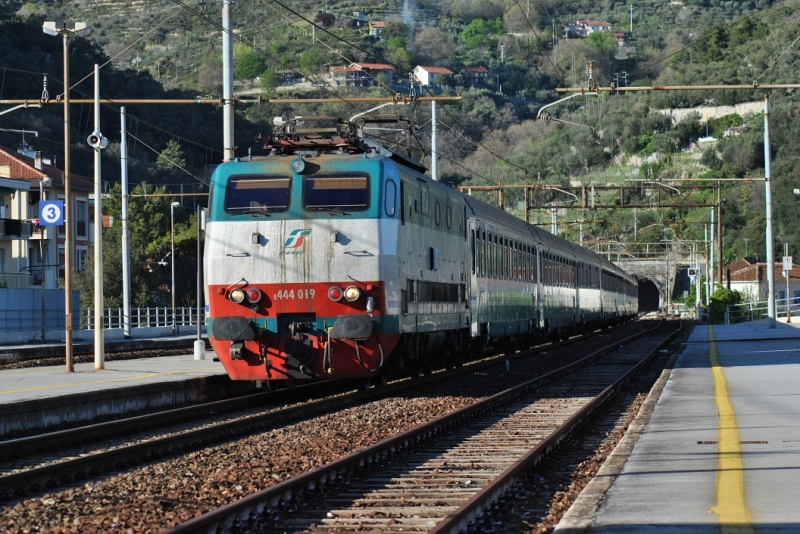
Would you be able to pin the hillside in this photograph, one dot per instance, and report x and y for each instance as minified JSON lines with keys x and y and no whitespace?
{"x":171,"y":48}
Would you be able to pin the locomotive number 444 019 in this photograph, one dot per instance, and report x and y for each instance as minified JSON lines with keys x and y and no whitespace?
{"x":291,"y":294}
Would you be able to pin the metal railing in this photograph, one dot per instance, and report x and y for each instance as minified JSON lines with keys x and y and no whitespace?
{"x":756,"y":310}
{"x":142,"y":317}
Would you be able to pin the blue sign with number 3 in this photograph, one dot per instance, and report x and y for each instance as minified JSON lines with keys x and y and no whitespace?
{"x":51,"y":213}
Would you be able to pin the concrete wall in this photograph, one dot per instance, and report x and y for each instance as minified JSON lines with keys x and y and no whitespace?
{"x":23,"y":312}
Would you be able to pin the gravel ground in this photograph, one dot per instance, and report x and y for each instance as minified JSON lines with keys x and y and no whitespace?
{"x":157,"y":496}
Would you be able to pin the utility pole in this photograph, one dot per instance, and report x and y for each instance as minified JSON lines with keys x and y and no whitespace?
{"x":770,"y":240}
{"x":227,"y":81}
{"x":98,"y":142}
{"x":66,"y":31}
{"x":631,"y":6}
{"x":126,"y":240}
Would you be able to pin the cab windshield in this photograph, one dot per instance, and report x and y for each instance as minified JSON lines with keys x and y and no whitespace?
{"x":257,"y":193}
{"x":336,"y":192}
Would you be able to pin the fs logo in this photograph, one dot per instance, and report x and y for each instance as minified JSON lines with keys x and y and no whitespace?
{"x":296,"y":238}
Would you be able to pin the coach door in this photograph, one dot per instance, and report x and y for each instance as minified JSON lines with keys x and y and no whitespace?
{"x":477,"y":250}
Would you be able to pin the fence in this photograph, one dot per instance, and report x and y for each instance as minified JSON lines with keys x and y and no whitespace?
{"x":142,"y":317}
{"x":753,"y":311}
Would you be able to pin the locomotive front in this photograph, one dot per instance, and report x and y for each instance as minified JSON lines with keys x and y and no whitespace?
{"x":298,"y":251}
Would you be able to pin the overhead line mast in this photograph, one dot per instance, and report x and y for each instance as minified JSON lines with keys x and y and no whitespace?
{"x":769,"y":235}
{"x":219,"y":101}
{"x":613,"y":88}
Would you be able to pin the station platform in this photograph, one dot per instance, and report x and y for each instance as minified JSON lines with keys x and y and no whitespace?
{"x":716,"y":445}
{"x":49,"y":397}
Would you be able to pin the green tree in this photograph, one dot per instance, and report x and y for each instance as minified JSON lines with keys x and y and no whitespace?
{"x":150,"y":242}
{"x":249,"y":66}
{"x":312,"y":59}
{"x":482,"y":32}
{"x":269,"y":80}
{"x":603,"y":42}
{"x":719,"y":301}
{"x":171,"y":157}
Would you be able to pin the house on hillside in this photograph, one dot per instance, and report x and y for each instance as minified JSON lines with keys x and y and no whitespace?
{"x":583,"y":27}
{"x":31,"y":254}
{"x":427,"y":76}
{"x":476,"y":76}
{"x":376,"y":28}
{"x":360,"y":74}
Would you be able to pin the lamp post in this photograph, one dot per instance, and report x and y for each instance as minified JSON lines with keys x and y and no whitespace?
{"x":67,"y":30}
{"x":199,"y":345}
{"x":172,"y":263}
{"x":44,"y":251}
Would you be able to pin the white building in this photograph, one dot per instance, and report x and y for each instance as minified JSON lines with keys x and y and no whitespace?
{"x":427,"y":76}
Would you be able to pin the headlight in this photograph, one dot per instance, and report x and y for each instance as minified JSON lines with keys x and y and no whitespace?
{"x":237,"y":296}
{"x":352,"y":293}
{"x":298,"y":165}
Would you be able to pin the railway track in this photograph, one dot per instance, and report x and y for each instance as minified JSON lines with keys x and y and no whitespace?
{"x":441,"y":476}
{"x":44,"y":462}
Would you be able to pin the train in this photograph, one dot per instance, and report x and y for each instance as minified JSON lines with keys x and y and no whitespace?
{"x":334,"y":257}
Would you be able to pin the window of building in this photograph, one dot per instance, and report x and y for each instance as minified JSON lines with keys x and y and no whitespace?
{"x":82,"y":218}
{"x":80,"y":258}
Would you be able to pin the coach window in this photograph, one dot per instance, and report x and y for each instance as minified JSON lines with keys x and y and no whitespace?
{"x":487,"y":259}
{"x":448,"y":216}
{"x":526,"y":262}
{"x":390,"y":198}
{"x":257,"y":194}
{"x":474,"y":249}
{"x":503,"y":257}
{"x":425,"y":198}
{"x":482,"y":253}
{"x":437,"y":214}
{"x":495,"y":256}
{"x":514,"y":260}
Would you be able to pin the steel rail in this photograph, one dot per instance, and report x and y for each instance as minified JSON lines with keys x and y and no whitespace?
{"x":80,"y":468}
{"x":459,"y":519}
{"x":83,"y":467}
{"x":225,"y":516}
{"x":19,"y":447}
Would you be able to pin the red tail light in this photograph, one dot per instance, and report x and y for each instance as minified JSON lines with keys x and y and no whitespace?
{"x":335,"y":293}
{"x":254,"y":295}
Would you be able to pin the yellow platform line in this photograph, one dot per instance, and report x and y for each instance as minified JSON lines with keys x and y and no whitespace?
{"x":731,"y":508}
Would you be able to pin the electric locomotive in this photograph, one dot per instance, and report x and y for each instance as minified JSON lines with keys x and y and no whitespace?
{"x":333,"y":257}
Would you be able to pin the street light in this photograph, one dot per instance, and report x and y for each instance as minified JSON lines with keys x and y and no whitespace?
{"x":67,"y":30}
{"x":44,"y":250}
{"x":172,"y":262}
